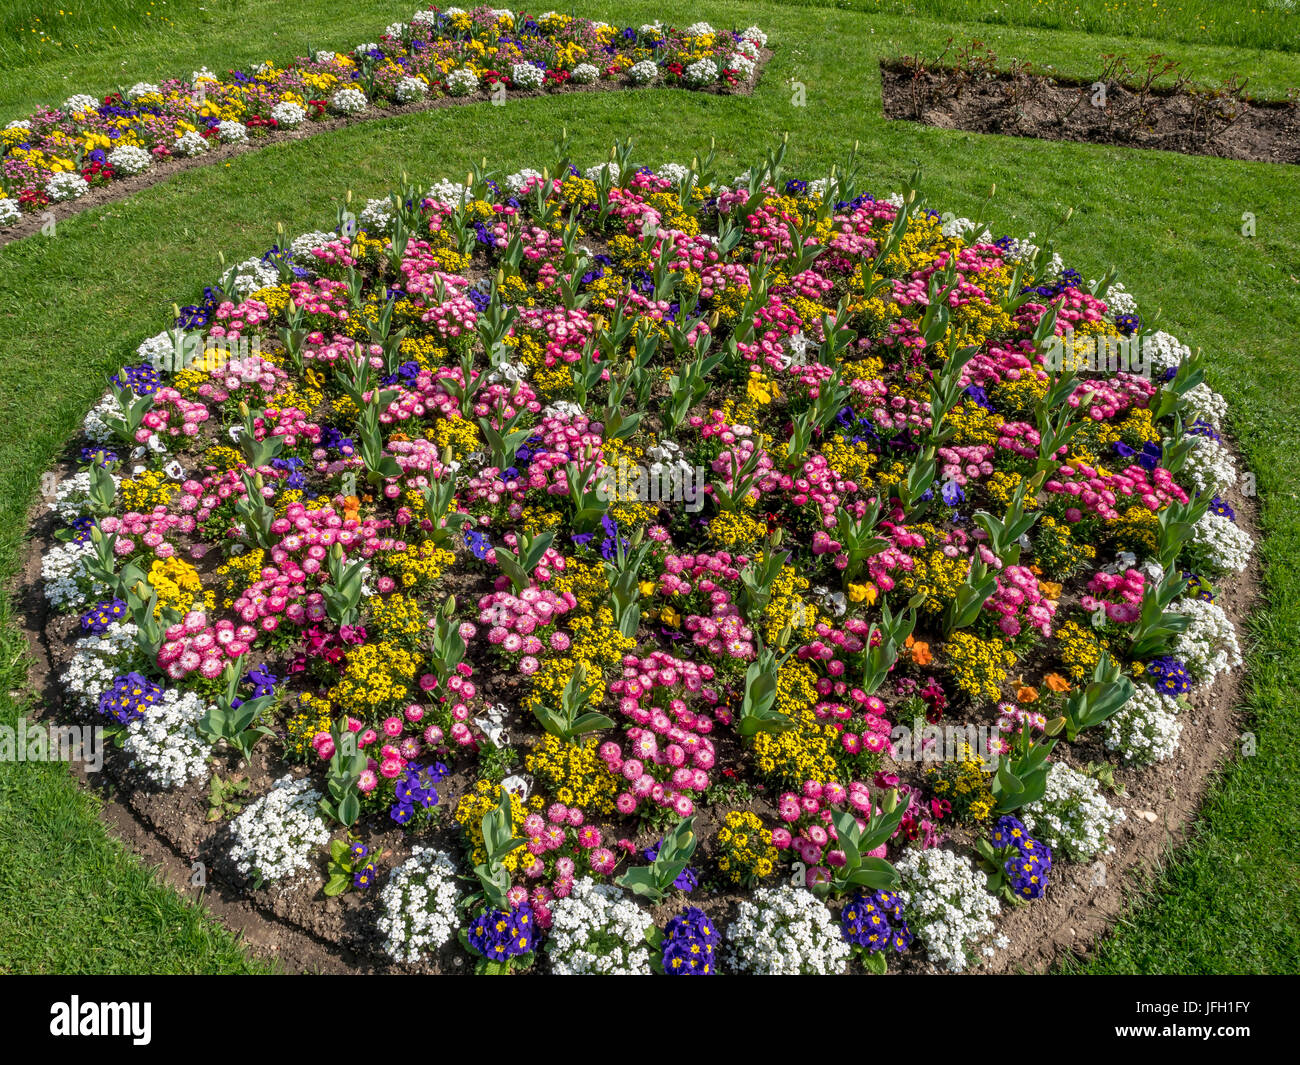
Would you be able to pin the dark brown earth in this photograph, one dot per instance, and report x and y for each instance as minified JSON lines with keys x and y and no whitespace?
{"x":1022,"y":103}
{"x":162,"y":170}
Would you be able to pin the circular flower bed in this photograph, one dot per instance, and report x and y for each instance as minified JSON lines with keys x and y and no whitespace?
{"x":636,"y":569}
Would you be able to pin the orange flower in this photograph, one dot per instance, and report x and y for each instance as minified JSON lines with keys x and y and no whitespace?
{"x":1024,"y":693}
{"x":921,"y":652}
{"x":1057,"y":683}
{"x":1050,"y":589}
{"x":351,"y":507}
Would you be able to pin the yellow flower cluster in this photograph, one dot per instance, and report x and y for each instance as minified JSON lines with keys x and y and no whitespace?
{"x":475,"y":805}
{"x":979,"y":667}
{"x":396,"y":618}
{"x":459,"y":434}
{"x":420,"y":564}
{"x":1080,"y":649}
{"x":744,"y":853}
{"x":573,"y":773}
{"x":316,"y":716}
{"x":966,"y":784}
{"x":808,"y":750}
{"x":178,"y":586}
{"x":378,"y":677}
{"x":146,"y":490}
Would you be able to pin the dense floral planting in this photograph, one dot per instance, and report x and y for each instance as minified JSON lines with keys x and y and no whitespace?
{"x":61,"y":152}
{"x":693,"y":575}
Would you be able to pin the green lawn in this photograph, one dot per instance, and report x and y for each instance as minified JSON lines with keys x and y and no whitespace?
{"x":72,"y":307}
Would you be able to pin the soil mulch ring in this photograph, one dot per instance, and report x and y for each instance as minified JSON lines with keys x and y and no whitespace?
{"x":1024,"y":103}
{"x":120,"y":188}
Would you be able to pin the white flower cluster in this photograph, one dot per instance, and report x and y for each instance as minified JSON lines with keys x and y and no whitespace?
{"x":252,"y":274}
{"x":72,"y":495}
{"x":1208,"y":647}
{"x":515,"y":182}
{"x":142,"y":88}
{"x":94,"y":426}
{"x":1221,"y":543}
{"x":66,"y":185}
{"x":741,"y":63}
{"x":80,"y":102}
{"x":289,"y":114}
{"x":1072,"y":817}
{"x":202,"y":74}
{"x":1146,"y":728}
{"x":1118,"y":299}
{"x":363,"y":48}
{"x":276,"y":835}
{"x":462,"y":81}
{"x":644,"y":72}
{"x":749,"y":49}
{"x":231,"y":132}
{"x":409,"y":89}
{"x":701,"y":72}
{"x":598,"y":929}
{"x":593,"y":173}
{"x":377,"y":216}
{"x":157,"y":350}
{"x":785,"y":931}
{"x":673,"y":172}
{"x":452,"y":193}
{"x":1210,"y":466}
{"x":165,"y":744}
{"x":699,"y":29}
{"x":1165,"y":350}
{"x":128,"y":159}
{"x":324,"y":56}
{"x":99,"y":659}
{"x":302,"y":244}
{"x":965,"y":228}
{"x":526,"y":75}
{"x":10,"y":212}
{"x":948,"y":905}
{"x":756,"y":35}
{"x":348,"y":102}
{"x":190,"y":143}
{"x":424,"y":17}
{"x":63,"y":570}
{"x":395,"y":29}
{"x":419,"y":905}
{"x":584,"y":73}
{"x":1207,"y":405}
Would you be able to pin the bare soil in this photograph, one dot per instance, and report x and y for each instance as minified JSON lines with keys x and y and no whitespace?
{"x":1028,"y":104}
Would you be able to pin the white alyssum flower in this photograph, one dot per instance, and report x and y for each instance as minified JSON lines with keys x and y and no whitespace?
{"x":1210,"y":466}
{"x":1207,"y":405}
{"x":452,"y":193}
{"x":526,"y":75}
{"x":674,"y":172}
{"x":741,"y":64}
{"x":128,"y":159}
{"x":701,"y":72}
{"x":1221,"y":544}
{"x":348,"y":101}
{"x":394,"y":29}
{"x":1146,"y":728}
{"x":190,"y":143}
{"x":142,"y":88}
{"x":699,"y":29}
{"x":252,"y":274}
{"x":72,"y":496}
{"x":1208,"y":646}
{"x":94,"y":426}
{"x":1165,"y":351}
{"x":409,"y":89}
{"x":231,"y":132}
{"x":289,"y":114}
{"x":585,"y":73}
{"x":785,"y":931}
{"x":80,"y":102}
{"x":99,"y":659}
{"x":274,"y":837}
{"x":10,"y":211}
{"x":158,"y":350}
{"x":516,"y":182}
{"x":20,"y":123}
{"x":598,"y":929}
{"x":68,"y":585}
{"x":965,"y":229}
{"x":202,"y":74}
{"x":749,"y":49}
{"x":644,"y":72}
{"x":593,"y":173}
{"x":1118,"y":299}
{"x":419,"y":905}
{"x":165,"y":744}
{"x":948,"y":904}
{"x":1072,"y":817}
{"x":756,"y":35}
{"x":66,"y":185}
{"x":424,"y":17}
{"x":304,"y":242}
{"x":462,"y":82}
{"x":324,"y":56}
{"x":376,"y":216}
